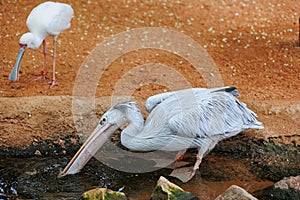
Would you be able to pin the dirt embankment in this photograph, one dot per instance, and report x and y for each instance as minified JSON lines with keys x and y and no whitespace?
{"x":30,"y":120}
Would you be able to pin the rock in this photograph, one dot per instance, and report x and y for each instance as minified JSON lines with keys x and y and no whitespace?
{"x":236,"y":193}
{"x":37,"y":153}
{"x":287,"y":188}
{"x":103,"y":194}
{"x":292,"y":182}
{"x":165,"y":190}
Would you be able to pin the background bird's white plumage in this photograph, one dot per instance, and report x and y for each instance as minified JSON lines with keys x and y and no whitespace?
{"x":49,"y":18}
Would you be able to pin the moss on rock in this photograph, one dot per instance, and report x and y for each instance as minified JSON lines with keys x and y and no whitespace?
{"x":166,"y":190}
{"x":103,"y":194}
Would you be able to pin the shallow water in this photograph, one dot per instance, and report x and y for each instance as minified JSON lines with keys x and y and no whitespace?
{"x":36,"y":178}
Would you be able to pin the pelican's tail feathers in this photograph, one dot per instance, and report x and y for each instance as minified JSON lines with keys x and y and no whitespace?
{"x":229,"y":89}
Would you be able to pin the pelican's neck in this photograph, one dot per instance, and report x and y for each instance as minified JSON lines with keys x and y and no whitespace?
{"x":135,"y":126}
{"x":138,"y":137}
{"x":135,"y":122}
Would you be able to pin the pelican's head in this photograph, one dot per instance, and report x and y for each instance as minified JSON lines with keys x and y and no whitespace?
{"x":111,"y":120}
{"x":116,"y":115}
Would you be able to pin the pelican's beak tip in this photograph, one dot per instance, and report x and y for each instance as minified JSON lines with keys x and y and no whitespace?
{"x":61,"y":174}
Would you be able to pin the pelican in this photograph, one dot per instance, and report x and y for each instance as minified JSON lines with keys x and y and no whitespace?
{"x":191,"y":118}
{"x":48,"y":18}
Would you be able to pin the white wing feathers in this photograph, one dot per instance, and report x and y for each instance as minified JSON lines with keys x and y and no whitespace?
{"x":153,"y":101}
{"x":219,"y":114}
{"x":49,"y":18}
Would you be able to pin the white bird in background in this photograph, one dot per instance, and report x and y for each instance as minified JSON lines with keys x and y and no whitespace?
{"x":192,"y":118}
{"x":48,"y":18}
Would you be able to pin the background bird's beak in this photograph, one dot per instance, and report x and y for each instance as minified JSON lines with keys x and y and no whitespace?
{"x":14,"y":75}
{"x":89,"y":148}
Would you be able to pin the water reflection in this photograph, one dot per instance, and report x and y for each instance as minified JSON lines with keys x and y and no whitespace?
{"x":36,"y":178}
{"x":7,"y":191}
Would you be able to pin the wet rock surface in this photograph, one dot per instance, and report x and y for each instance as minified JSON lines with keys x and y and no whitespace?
{"x":237,"y":193}
{"x":286,"y":189}
{"x":103,"y":194}
{"x":166,"y":190}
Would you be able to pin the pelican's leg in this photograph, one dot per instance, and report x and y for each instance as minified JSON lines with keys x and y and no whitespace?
{"x":53,"y":82}
{"x":187,"y":173}
{"x":197,"y":163}
{"x":193,"y":171}
{"x":210,"y":143}
{"x":43,"y":72}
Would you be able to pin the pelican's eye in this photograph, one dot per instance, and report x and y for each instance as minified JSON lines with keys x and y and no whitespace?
{"x":103,"y":121}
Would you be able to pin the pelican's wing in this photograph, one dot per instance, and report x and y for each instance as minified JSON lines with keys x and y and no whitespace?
{"x":153,"y":101}
{"x":219,"y":113}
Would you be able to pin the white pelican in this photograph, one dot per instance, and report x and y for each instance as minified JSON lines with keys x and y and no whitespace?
{"x":191,"y":118}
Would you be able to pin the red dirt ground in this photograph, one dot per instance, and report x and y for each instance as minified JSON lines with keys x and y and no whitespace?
{"x":253,"y":44}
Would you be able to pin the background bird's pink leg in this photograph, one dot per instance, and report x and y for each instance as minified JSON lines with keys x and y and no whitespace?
{"x":53,"y":82}
{"x":43,"y":72}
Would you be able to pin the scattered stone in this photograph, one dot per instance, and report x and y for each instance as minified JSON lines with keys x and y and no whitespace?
{"x":166,"y":190}
{"x":37,"y":153}
{"x":288,"y":188}
{"x":292,"y":182}
{"x":236,"y":193}
{"x":103,"y":194}
{"x":60,"y":143}
{"x":73,"y":141}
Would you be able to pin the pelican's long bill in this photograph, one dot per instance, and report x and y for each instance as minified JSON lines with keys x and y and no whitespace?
{"x":89,"y":148}
{"x":14,"y":74}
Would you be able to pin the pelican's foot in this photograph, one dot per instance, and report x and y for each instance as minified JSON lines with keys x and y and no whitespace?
{"x":180,"y":155}
{"x":53,"y":83}
{"x":42,"y":76}
{"x":178,"y":164}
{"x":184,"y":174}
{"x":178,"y":158}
